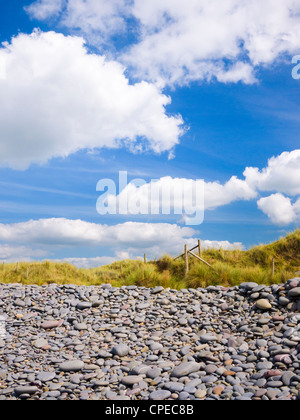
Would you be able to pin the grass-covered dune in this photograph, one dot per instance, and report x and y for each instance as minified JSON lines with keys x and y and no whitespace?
{"x":230,"y":268}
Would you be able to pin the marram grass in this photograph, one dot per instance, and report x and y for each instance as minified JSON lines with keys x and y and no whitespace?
{"x":230,"y":268}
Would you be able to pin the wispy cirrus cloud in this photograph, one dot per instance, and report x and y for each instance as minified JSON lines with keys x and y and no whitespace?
{"x":44,"y":9}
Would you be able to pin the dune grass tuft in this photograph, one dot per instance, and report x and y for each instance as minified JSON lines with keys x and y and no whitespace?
{"x":230,"y":268}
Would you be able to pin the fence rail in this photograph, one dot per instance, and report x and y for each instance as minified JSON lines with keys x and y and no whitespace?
{"x":188,"y":252}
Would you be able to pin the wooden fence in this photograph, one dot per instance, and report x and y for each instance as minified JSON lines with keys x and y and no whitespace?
{"x":188,"y":252}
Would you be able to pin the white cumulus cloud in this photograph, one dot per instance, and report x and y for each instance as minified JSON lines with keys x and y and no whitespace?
{"x":56,"y":98}
{"x":181,"y":195}
{"x":280,"y":209}
{"x":281,"y":175}
{"x":123,"y":240}
{"x":11,"y":253}
{"x":178,"y":41}
{"x":65,"y":232}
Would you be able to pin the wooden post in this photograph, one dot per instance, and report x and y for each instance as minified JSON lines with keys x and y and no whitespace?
{"x":200,"y":248}
{"x":273,"y":267}
{"x":145,"y":262}
{"x":186,"y":257}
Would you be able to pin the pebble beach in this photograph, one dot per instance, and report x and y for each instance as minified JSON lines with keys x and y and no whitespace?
{"x":67,"y":342}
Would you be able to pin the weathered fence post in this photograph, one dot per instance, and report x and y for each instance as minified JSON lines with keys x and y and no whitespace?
{"x":145,"y":259}
{"x":273,"y":267}
{"x":200,"y":248}
{"x":186,"y":253}
{"x":186,"y":257}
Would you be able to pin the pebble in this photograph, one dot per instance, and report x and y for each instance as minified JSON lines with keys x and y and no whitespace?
{"x":208,"y":338}
{"x":46,"y":376}
{"x":263,"y":304}
{"x":218,"y":390}
{"x":71,"y":366}
{"x":121,"y":350}
{"x":201,"y":393}
{"x":160,"y":395}
{"x":185,"y":369}
{"x":131,"y":380}
{"x":26,"y":390}
{"x":40,"y":343}
{"x":49,"y":325}
{"x":287,"y":378}
{"x":84,"y":305}
{"x":294,"y":293}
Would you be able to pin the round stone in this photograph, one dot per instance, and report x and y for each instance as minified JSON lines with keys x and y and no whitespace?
{"x":153,"y":373}
{"x":49,"y":325}
{"x":121,"y":350}
{"x":84,"y":305}
{"x":81,"y":326}
{"x":294,"y":293}
{"x":131,"y":380}
{"x":248,"y":285}
{"x":218,"y":390}
{"x":26,"y":390}
{"x":40,"y":343}
{"x":71,"y":366}
{"x":208,"y":338}
{"x":201,"y":393}
{"x":263,"y":304}
{"x":160,"y":395}
{"x":46,"y":376}
{"x":185,"y":369}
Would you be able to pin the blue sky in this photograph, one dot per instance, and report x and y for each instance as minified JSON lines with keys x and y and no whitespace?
{"x":91,"y":88}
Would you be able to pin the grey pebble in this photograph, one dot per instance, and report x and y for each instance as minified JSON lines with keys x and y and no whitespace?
{"x":160,"y":395}
{"x":121,"y":350}
{"x":71,"y":366}
{"x":46,"y":376}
